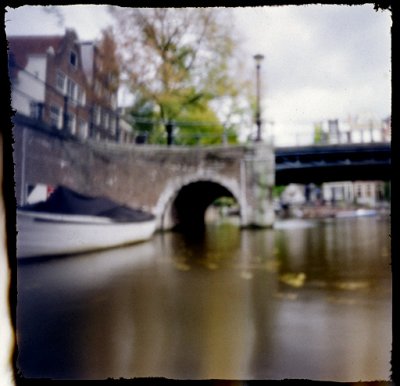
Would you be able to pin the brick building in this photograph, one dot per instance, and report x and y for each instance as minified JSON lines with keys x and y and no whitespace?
{"x":48,"y":81}
{"x":59,"y":80}
{"x":103,"y":93}
{"x":365,"y":193}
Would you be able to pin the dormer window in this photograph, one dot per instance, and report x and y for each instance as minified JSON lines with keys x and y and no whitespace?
{"x":73,"y":59}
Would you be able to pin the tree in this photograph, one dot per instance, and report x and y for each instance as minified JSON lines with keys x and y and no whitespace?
{"x":199,"y":125}
{"x":177,"y":61}
{"x":318,"y":133}
{"x":109,"y":68}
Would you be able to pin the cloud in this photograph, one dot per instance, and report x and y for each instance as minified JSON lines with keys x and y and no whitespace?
{"x":320,"y":61}
{"x":87,"y":20}
{"x":28,"y":20}
{"x":309,"y":104}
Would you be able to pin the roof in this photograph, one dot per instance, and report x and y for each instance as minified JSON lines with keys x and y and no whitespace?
{"x":21,"y":47}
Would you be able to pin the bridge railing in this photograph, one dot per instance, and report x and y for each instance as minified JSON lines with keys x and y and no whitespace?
{"x":289,"y":139}
{"x":297,"y":139}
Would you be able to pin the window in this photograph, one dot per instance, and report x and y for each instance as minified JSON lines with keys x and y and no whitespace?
{"x":106,"y":118}
{"x":114,"y":101}
{"x":55,"y":116}
{"x":368,"y":190}
{"x":381,"y":191}
{"x":98,"y":88}
{"x":36,"y":109}
{"x":81,"y":96}
{"x":71,"y":123}
{"x":106,"y":95}
{"x":60,"y":81}
{"x":359,"y":191}
{"x":71,"y":89}
{"x":96,"y":115}
{"x":112,"y":125}
{"x":73,"y":59}
{"x":82,"y":128}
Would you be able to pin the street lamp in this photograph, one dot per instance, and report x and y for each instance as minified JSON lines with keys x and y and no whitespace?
{"x":258,"y":58}
{"x":169,"y":127}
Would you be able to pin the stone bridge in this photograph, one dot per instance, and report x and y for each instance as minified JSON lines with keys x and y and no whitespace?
{"x":176,"y":184}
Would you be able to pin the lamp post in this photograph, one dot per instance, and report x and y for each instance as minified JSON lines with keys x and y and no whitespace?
{"x":258,"y":58}
{"x":169,"y":127}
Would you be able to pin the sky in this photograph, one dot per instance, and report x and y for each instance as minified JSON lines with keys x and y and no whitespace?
{"x":320,"y":61}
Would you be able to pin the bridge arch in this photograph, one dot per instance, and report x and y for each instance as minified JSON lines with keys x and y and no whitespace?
{"x":176,"y":208}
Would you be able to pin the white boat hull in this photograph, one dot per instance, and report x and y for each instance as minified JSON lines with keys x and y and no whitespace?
{"x":45,"y":234}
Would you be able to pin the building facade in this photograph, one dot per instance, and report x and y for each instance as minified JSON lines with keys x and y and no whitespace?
{"x":59,"y":80}
{"x":347,"y":193}
{"x":103,"y":96}
{"x":48,"y":81}
{"x":364,"y":193}
{"x":362,"y":128}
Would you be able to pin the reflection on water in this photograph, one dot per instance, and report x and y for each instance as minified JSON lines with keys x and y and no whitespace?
{"x":305,"y":300}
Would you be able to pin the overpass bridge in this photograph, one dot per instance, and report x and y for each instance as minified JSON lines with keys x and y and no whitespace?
{"x":325,"y":163}
{"x":177,"y":184}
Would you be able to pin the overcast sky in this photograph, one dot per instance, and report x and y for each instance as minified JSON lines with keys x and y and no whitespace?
{"x":321,"y":61}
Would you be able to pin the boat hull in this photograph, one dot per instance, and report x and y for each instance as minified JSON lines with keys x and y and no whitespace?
{"x":49,"y":234}
{"x":356,"y":213}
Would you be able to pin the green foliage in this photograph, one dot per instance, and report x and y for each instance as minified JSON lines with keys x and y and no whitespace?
{"x":225,"y":201}
{"x":199,"y":125}
{"x":177,"y":61}
{"x":143,"y":116}
{"x":277,"y":191}
{"x":318,"y":134}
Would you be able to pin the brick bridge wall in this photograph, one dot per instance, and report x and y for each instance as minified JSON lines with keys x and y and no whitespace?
{"x":174,"y":183}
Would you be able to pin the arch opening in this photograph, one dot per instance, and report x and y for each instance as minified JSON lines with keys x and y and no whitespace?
{"x":191,"y":203}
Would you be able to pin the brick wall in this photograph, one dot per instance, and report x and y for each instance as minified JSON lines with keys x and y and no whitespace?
{"x":149,"y":177}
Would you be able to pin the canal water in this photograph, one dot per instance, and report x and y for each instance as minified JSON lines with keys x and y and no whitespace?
{"x":308,"y":299}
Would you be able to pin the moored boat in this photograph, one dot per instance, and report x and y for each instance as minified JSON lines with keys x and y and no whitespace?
{"x":69,"y":222}
{"x":356,"y":213}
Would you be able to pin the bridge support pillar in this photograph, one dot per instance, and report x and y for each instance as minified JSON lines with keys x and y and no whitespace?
{"x":257,"y":182}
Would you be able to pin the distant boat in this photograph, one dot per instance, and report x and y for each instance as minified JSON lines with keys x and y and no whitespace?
{"x":356,"y":213}
{"x":69,"y":222}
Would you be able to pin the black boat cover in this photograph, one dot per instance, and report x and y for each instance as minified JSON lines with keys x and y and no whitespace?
{"x":66,"y":201}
